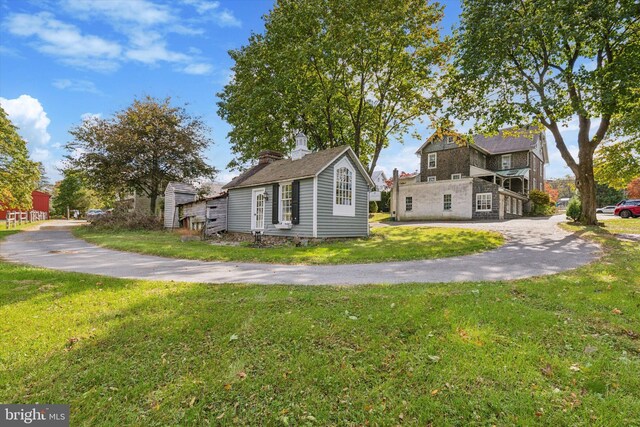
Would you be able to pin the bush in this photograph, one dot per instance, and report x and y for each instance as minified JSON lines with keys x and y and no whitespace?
{"x":574,"y":209}
{"x":373,"y":207}
{"x":120,"y":219}
{"x":385,"y":201}
{"x":542,"y":204}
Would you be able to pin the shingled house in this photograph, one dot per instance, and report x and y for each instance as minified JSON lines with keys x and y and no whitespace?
{"x":312,"y":194}
{"x":487,"y":179}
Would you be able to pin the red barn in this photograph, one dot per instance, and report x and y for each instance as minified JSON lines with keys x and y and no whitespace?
{"x":40,"y":203}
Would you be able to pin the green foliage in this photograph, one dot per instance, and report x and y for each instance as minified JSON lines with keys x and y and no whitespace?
{"x":19,"y":176}
{"x":131,"y":352}
{"x":71,"y":193}
{"x":385,"y":201}
{"x":142,"y":148}
{"x":348,"y":72}
{"x":566,"y":186}
{"x":373,"y":207}
{"x":606,"y":195}
{"x":574,"y":209}
{"x":542,"y":204}
{"x":384,"y":244}
{"x":618,"y":163}
{"x":549,"y":63}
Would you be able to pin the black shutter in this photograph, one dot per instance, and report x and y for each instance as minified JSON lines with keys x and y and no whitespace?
{"x":274,"y":204}
{"x":295,"y":202}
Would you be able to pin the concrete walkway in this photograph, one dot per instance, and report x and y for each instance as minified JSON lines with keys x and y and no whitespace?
{"x":534,"y":247}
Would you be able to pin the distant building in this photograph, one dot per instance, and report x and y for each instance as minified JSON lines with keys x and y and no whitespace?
{"x":41,"y":203}
{"x":380,"y":179}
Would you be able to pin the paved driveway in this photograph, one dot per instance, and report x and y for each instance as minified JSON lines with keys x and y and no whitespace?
{"x":534,"y":247}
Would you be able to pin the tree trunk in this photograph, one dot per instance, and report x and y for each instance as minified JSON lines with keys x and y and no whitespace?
{"x":586,"y":185}
{"x":152,"y":204}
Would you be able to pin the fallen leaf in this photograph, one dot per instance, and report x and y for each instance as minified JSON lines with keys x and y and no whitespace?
{"x":574,"y":367}
{"x":353,"y":318}
{"x":616,"y":311}
{"x":434,"y":392}
{"x":590,"y":349}
{"x":227,"y":386}
{"x":233,"y":337}
{"x":221,"y":416}
{"x":242,"y":375}
{"x":434,"y":358}
{"x":192,"y":401}
{"x":547,"y":371}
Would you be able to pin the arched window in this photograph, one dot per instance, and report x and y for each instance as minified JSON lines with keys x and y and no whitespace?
{"x":344,"y":189}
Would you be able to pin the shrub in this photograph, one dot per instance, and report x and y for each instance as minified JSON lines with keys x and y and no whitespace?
{"x":542,"y":204}
{"x":385,"y":201}
{"x":373,"y":207}
{"x":120,"y":219}
{"x":574,"y":209}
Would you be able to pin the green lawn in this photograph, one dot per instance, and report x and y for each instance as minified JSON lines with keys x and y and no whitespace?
{"x":559,"y":350}
{"x":385,"y":244}
{"x":629,"y":225}
{"x":380,"y":217}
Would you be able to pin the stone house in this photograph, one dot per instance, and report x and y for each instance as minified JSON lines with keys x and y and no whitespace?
{"x":312,"y":194}
{"x":489,"y":178}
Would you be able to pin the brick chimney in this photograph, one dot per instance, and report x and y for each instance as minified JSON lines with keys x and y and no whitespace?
{"x":269,"y":156}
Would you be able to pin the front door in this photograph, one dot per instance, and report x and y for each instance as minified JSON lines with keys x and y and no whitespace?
{"x":258,"y":203}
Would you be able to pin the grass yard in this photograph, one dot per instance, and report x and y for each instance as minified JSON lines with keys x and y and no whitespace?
{"x":380,"y":217}
{"x":384,"y":244}
{"x":629,"y":226}
{"x":558,"y":350}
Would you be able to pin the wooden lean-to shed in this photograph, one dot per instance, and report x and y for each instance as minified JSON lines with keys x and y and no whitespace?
{"x":209,"y":214}
{"x":175,"y":194}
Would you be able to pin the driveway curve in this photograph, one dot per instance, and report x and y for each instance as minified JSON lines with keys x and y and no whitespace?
{"x":534,"y":247}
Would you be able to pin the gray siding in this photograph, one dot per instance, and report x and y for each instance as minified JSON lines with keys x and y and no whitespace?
{"x":342,"y":226}
{"x":239,"y":216}
{"x":239,"y":210}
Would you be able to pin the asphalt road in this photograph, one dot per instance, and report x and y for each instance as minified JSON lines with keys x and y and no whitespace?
{"x":534,"y":247}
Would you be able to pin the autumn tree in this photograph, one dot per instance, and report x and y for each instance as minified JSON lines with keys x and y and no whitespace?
{"x":553,"y":193}
{"x":141,"y":148}
{"x":19,"y":176}
{"x":633,"y":189}
{"x":521,"y":62}
{"x":355,"y":72}
{"x":72,"y":193}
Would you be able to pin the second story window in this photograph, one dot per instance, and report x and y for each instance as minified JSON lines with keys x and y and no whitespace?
{"x":506,"y":161}
{"x":432,"y":160}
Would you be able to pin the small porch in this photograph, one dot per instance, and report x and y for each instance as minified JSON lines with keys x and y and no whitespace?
{"x":514,"y":180}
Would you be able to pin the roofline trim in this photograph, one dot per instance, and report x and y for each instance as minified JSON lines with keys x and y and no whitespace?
{"x":363,"y":171}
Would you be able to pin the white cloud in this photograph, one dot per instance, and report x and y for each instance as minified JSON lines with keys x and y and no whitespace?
{"x":140,"y":12}
{"x":404,"y":160}
{"x":65,"y":41}
{"x":28,"y":115}
{"x":211,"y":10}
{"x":198,"y":69}
{"x":76,"y":85}
{"x":90,"y":116}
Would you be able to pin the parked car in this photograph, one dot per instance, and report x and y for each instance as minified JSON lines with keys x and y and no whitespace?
{"x":606,"y":210}
{"x":94,"y":213}
{"x":629,"y":209}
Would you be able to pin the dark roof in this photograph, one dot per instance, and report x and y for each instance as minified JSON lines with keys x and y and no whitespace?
{"x":509,"y":140}
{"x":282,"y":170}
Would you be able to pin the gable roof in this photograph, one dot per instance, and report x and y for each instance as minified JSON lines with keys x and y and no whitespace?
{"x":508,"y":140}
{"x":286,"y":169}
{"x":181,"y":187}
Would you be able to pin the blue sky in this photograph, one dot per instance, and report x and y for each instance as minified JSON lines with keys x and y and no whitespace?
{"x":63,"y":60}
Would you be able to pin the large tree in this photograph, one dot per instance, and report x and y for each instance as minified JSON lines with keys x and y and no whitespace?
{"x":355,"y":72}
{"x":550,"y":62}
{"x":72,"y":193}
{"x":19,"y":176}
{"x":141,"y":148}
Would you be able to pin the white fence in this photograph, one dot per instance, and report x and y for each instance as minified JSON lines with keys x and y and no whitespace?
{"x":17,"y":217}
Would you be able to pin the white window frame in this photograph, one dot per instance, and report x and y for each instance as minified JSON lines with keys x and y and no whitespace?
{"x":514,"y":206}
{"x":344,"y":210}
{"x":281,"y":205}
{"x":480,"y":196}
{"x":502,"y":161}
{"x":254,"y":194}
{"x":456,"y":176}
{"x":444,"y":202}
{"x":408,"y":203}
{"x":507,"y":201}
{"x":435,"y":160}
{"x":431,"y":178}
